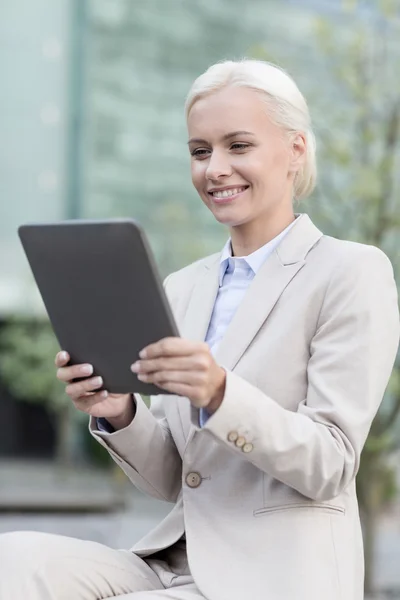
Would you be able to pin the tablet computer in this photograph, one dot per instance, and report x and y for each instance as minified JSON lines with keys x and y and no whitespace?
{"x":102,"y":292}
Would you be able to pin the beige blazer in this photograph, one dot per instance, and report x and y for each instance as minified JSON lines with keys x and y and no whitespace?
{"x":266,"y":490}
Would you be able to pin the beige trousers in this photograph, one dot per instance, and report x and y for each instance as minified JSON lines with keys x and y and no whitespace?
{"x":40,"y":566}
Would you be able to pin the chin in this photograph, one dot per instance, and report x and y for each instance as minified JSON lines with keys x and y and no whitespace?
{"x":231,"y":218}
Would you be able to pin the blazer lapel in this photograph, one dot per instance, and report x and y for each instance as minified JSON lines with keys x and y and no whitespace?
{"x":201,"y":303}
{"x":265,"y":289}
{"x":259,"y":300}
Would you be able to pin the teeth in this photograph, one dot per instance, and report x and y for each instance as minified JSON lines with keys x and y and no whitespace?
{"x":227,"y":193}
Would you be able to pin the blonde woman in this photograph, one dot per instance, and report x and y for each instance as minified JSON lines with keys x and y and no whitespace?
{"x":288,"y":340}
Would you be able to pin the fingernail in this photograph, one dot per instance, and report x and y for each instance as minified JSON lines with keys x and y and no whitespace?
{"x":135,"y":367}
{"x":143,"y":354}
{"x":87,"y":369}
{"x":97,"y":381}
{"x":63,"y":355}
{"x":104,"y":394}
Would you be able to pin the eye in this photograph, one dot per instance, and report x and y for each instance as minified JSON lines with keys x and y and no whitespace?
{"x":239,"y":146}
{"x":199,"y":152}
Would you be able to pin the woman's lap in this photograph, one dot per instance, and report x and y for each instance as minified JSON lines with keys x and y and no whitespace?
{"x":183,"y":592}
{"x":39,"y":566}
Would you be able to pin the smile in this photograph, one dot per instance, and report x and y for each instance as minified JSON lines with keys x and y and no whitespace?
{"x":219,"y":195}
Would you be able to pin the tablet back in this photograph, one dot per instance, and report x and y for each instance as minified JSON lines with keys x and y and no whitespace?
{"x":104,"y":298}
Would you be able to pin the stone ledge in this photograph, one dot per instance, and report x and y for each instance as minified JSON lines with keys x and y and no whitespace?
{"x":42,"y":487}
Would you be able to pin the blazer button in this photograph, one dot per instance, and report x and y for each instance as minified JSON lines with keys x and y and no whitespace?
{"x":193,"y":480}
{"x":247,"y":447}
{"x":240,"y":442}
{"x":233,"y":436}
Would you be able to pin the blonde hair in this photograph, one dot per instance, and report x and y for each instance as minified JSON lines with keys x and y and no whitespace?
{"x":287,"y":106}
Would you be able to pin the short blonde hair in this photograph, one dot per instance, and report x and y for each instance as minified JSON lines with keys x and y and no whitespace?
{"x":287,"y":106}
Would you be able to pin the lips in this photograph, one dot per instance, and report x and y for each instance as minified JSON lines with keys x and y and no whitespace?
{"x":227,"y":191}
{"x":224,"y":195}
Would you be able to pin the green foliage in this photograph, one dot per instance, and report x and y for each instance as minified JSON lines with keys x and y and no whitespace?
{"x":27,"y":352}
{"x":376,"y":480}
{"x":389,"y":8}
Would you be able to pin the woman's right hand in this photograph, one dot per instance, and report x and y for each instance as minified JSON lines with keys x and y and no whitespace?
{"x":118,"y":409}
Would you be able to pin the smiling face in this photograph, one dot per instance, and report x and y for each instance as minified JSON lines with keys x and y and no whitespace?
{"x":242,"y":164}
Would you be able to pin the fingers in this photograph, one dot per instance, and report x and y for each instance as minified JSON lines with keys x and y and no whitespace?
{"x":88,"y":404}
{"x":66,"y":374}
{"x":198,"y":362}
{"x":189,"y":378}
{"x":173,"y":346}
{"x":197,"y":392}
{"x":83,"y":393}
{"x":80,"y":388}
{"x":62,"y":359}
{"x":179,"y":389}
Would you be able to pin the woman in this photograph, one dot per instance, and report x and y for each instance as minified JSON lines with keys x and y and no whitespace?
{"x":288,"y":341}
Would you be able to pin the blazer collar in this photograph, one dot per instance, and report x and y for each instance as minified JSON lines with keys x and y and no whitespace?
{"x":256,"y":258}
{"x":264,"y":291}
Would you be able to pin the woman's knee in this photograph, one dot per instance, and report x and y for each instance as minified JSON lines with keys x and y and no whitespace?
{"x":26,"y":558}
{"x":24,"y":547}
{"x":13,"y":541}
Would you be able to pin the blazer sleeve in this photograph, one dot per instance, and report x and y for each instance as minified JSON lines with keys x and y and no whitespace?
{"x":316,"y":449}
{"x":145,"y":450}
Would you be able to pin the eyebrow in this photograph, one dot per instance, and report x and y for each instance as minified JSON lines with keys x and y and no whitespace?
{"x":227,"y":136}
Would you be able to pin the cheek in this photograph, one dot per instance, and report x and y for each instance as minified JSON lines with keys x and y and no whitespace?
{"x":269,"y":169}
{"x":198,"y":174}
{"x":281,"y":160}
{"x":252,"y":169}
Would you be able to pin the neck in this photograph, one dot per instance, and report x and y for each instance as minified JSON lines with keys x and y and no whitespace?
{"x":249,"y":237}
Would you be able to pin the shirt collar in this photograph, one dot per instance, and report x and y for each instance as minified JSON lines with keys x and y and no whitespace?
{"x":256,"y":258}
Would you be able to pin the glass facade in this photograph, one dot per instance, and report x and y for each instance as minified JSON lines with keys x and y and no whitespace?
{"x":33,"y":132}
{"x":92,"y":119}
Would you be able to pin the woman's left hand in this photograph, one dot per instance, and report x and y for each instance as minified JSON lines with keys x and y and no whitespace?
{"x":184,"y":368}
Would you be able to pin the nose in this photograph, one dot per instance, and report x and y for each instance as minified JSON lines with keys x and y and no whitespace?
{"x":218,"y":166}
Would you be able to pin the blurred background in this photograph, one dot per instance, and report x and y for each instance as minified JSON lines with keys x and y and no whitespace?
{"x":92,"y":126}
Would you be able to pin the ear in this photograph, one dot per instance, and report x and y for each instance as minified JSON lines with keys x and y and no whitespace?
{"x":298,"y":148}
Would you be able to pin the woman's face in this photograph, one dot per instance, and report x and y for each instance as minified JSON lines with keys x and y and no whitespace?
{"x":242,"y":164}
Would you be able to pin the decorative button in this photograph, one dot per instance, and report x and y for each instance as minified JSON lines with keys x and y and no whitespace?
{"x":240,"y":442}
{"x":247,"y":447}
{"x":233,"y":436}
{"x":193,"y":480}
